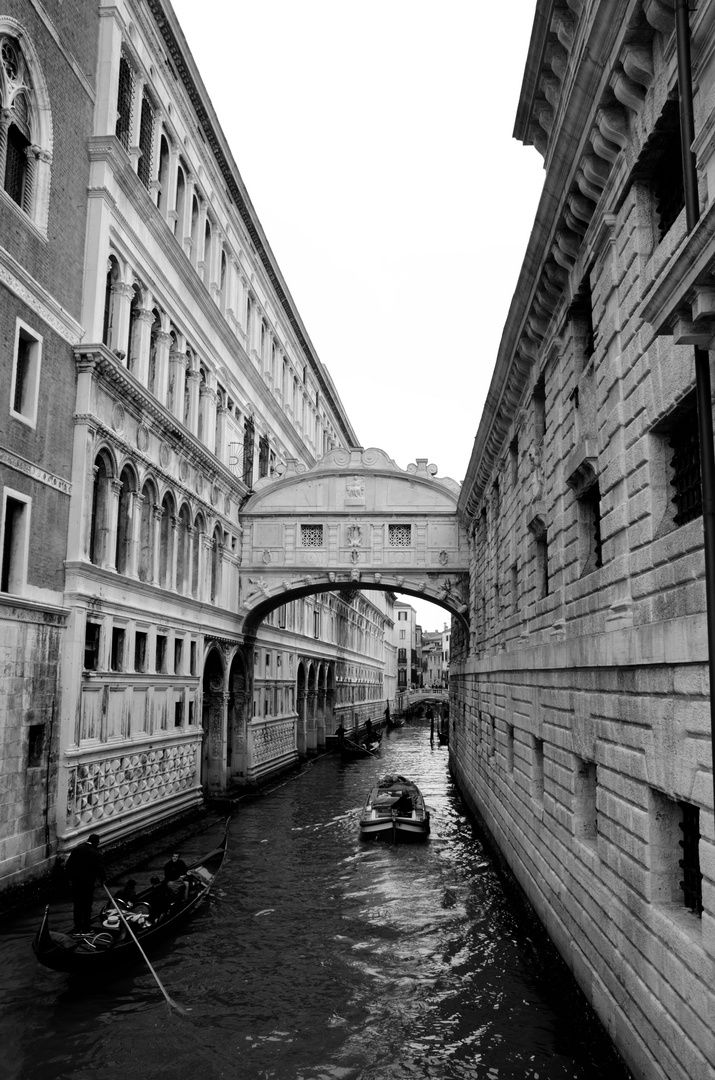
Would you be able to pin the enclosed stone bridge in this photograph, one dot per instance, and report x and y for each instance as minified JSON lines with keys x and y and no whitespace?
{"x":355,"y":520}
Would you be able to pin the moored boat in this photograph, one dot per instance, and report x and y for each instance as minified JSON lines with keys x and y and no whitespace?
{"x":153,"y":917}
{"x":394,"y":810}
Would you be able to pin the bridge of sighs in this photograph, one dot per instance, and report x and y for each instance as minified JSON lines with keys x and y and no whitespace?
{"x":354,"y":521}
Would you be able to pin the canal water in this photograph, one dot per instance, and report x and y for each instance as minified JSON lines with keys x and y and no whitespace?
{"x":322,"y":958}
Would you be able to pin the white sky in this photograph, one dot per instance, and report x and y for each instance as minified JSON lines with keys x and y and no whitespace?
{"x":375,"y":140}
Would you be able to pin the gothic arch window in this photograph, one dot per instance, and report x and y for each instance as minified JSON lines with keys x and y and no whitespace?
{"x":25,"y":125}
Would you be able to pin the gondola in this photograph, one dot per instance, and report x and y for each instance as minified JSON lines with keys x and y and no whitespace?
{"x":443,"y":737}
{"x":349,"y":749}
{"x":108,"y":944}
{"x":394,"y":810}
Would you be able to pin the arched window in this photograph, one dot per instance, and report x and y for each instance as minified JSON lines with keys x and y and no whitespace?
{"x":183,"y":553}
{"x":216,"y":564}
{"x":99,"y":528}
{"x":124,"y":522}
{"x":166,"y":543}
{"x":25,"y":125}
{"x":198,"y":541}
{"x":146,"y":533}
{"x":207,"y":254}
{"x":195,"y":230}
{"x":109,"y":300}
{"x":222,"y":282}
{"x":163,"y":200}
{"x":180,"y":224}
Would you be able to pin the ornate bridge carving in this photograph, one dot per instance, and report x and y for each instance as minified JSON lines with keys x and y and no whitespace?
{"x":353,"y":521}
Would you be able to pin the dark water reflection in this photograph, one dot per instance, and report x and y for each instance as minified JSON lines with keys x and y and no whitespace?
{"x":321,"y":958}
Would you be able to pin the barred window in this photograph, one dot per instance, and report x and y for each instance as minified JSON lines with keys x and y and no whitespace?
{"x":248,"y":451}
{"x":263,"y":454}
{"x":146,"y":141}
{"x":311,"y":536}
{"x":683,"y":440}
{"x":692,"y":880}
{"x":590,"y":515}
{"x":399,"y":536}
{"x":123,"y":129}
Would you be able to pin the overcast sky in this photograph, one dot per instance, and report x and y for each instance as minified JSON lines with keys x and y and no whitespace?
{"x":375,"y":140}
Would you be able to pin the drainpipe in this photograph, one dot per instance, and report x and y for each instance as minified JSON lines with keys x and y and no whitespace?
{"x":702,"y":357}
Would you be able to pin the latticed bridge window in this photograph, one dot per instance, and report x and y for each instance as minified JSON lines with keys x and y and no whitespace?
{"x":685,"y":463}
{"x":399,"y":536}
{"x":311,"y":536}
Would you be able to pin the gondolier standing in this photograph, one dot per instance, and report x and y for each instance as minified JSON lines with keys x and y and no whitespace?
{"x":84,"y":866}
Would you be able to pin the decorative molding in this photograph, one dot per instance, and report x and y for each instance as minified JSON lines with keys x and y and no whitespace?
{"x":17,"y":280}
{"x":20,"y":464}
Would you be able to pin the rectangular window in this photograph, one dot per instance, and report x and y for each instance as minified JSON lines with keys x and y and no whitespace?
{"x":542,"y":565}
{"x":510,"y":748}
{"x":116,"y":662}
{"x":146,"y":141}
{"x":402,"y":616}
{"x":585,"y":796}
{"x":263,"y":455}
{"x":402,"y":635}
{"x":92,"y":638}
{"x":316,"y":623}
{"x":191,"y":712}
{"x":684,"y":442}
{"x":35,"y":745}
{"x":402,"y":656}
{"x":281,"y":616}
{"x":178,"y":712}
{"x":691,"y":882}
{"x":15,"y":540}
{"x":674,"y":852}
{"x":514,"y":460}
{"x":311,"y":536}
{"x":140,"y":640}
{"x":24,"y":392}
{"x":589,"y":503}
{"x":178,"y":655}
{"x":160,"y":652}
{"x":537,"y":770}
{"x":192,"y":658}
{"x":125,"y":94}
{"x":399,"y":536}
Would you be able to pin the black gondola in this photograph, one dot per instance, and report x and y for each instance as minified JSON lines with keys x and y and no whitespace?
{"x":108,"y":945}
{"x":350,"y":749}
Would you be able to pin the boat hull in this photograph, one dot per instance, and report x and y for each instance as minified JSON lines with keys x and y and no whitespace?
{"x":395,"y":811}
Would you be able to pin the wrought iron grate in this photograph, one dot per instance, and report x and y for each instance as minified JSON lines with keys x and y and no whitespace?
{"x":692,"y":882}
{"x":685,"y":465}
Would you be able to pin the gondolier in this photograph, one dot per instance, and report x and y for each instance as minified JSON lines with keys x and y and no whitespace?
{"x":84,"y":867}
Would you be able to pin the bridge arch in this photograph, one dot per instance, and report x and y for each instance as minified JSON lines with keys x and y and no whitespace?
{"x":355,"y":520}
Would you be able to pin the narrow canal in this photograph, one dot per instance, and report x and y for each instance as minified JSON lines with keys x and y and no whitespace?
{"x":321,"y":958}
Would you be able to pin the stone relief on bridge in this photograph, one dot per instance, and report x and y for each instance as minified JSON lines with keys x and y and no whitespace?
{"x":356,"y":519}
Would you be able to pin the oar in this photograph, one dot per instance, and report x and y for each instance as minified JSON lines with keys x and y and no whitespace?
{"x":172,"y":1004}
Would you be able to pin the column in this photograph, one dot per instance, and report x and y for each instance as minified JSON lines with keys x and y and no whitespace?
{"x":109,"y":555}
{"x":132,"y":561}
{"x":140,"y":345}
{"x":137,"y":95}
{"x":192,"y":420}
{"x":157,"y":514}
{"x":122,"y":295}
{"x":207,"y":398}
{"x":177,"y":374}
{"x":162,"y":344}
{"x":176,"y":529}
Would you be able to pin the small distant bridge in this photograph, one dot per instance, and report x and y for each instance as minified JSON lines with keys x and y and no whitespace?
{"x":355,"y":520}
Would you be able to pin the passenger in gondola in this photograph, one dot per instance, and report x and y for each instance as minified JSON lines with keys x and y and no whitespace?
{"x":84,"y":866}
{"x":368,"y":731}
{"x":340,"y":732}
{"x":175,"y":876}
{"x":127,"y":895}
{"x":159,"y":899}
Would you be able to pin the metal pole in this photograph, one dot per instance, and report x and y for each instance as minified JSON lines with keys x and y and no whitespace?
{"x":702,"y":357}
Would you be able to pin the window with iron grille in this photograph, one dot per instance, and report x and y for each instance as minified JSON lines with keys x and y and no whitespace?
{"x":692,"y":880}
{"x":248,"y":451}
{"x":146,"y":141}
{"x":311,"y":536}
{"x":660,"y":168}
{"x":590,"y":519}
{"x":16,"y":164}
{"x":684,"y":442}
{"x":263,"y":455}
{"x":123,"y":129}
{"x":399,"y":536}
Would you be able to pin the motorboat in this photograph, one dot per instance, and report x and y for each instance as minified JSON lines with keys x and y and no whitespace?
{"x":394,"y":810}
